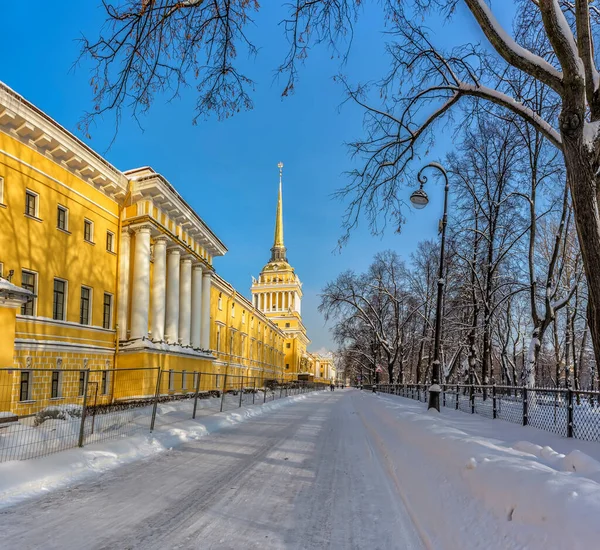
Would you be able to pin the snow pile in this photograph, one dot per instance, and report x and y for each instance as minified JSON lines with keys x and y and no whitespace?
{"x":548,"y":497}
{"x":56,"y":428}
{"x":24,"y":479}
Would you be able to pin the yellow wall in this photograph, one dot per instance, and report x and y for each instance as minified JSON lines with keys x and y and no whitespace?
{"x":256,"y":350}
{"x":38,"y":245}
{"x":7,"y":330}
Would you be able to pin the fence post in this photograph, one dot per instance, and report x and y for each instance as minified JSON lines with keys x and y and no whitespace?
{"x":155,"y":405}
{"x":196,"y":396}
{"x":241,"y":390}
{"x":457,"y":397}
{"x":569,"y":412}
{"x":494,"y":410}
{"x":253,"y":389}
{"x":264,"y":392}
{"x":443,"y":395}
{"x":472,"y":398}
{"x":85,"y":390}
{"x":223,"y":394}
{"x":525,"y":419}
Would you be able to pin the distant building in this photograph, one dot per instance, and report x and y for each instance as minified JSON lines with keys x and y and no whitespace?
{"x":278,"y":294}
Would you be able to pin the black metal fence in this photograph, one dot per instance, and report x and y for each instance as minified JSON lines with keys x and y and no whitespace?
{"x":43,"y":411}
{"x":563,"y":411}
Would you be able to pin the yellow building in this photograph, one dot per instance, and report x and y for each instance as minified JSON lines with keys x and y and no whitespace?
{"x":106,"y":271}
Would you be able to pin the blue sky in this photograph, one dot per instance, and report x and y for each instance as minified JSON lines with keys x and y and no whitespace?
{"x":227,"y":170}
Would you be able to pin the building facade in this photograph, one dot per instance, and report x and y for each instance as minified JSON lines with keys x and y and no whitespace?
{"x":108,"y":271}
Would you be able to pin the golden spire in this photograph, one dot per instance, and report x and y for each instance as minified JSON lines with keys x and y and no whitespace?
{"x":278,"y":242}
{"x":278,"y":250}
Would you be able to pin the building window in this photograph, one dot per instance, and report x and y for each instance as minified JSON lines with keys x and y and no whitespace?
{"x":217,"y":381}
{"x":183,"y":380}
{"x":28,"y":281}
{"x":243,"y":317}
{"x":58,"y":303}
{"x":25,"y":387}
{"x":288,"y":345}
{"x":88,"y":231}
{"x":1,"y":190}
{"x":81,"y":382}
{"x":110,"y":241}
{"x":195,"y":380}
{"x":62,"y":218}
{"x":218,"y":337}
{"x":171,"y":380}
{"x":220,"y":301}
{"x":287,"y":365}
{"x":233,"y":310}
{"x":55,"y":384}
{"x":107,"y":312}
{"x":104,"y":382}
{"x":31,"y":204}
{"x":84,"y":308}
{"x":287,"y":325}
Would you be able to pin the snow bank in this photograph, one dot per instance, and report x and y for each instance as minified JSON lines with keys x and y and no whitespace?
{"x":553,"y":495}
{"x":20,"y":480}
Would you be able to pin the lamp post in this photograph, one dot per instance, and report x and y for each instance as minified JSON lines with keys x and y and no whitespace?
{"x":419,"y":199}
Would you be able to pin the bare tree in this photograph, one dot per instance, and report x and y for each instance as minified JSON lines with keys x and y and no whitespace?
{"x":425,"y":79}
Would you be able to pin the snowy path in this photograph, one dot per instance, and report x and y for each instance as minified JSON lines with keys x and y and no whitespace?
{"x":315,"y":474}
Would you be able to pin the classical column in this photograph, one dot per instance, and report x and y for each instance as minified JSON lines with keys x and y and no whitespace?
{"x":196,"y":305}
{"x":124,"y":254}
{"x":185,"y":301}
{"x":272,"y":301}
{"x":159,"y":288}
{"x":141,"y":283}
{"x":205,"y":321}
{"x":172,"y":316}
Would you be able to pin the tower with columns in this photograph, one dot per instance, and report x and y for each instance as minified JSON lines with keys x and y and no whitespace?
{"x":278,"y":294}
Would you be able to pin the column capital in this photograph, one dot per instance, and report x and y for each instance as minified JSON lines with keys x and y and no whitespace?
{"x":207,"y":274}
{"x":141,"y":228}
{"x":125,"y":233}
{"x":161,"y":239}
{"x":197,"y":267}
{"x":173,"y":250}
{"x":186,"y":260}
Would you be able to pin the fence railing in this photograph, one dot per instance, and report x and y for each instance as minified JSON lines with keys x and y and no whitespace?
{"x":563,"y":411}
{"x":43,"y":411}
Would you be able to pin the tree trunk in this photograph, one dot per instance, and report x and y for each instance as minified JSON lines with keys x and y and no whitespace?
{"x":582,"y":167}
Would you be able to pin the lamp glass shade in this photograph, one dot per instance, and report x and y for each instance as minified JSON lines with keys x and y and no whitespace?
{"x":419,"y":199}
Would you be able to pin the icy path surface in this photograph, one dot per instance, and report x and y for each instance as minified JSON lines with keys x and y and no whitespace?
{"x":315,"y":474}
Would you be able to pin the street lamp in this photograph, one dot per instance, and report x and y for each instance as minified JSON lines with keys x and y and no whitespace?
{"x":419,"y":199}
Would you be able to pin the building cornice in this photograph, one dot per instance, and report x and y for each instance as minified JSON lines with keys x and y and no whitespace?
{"x":148,"y":184}
{"x":22,"y":120}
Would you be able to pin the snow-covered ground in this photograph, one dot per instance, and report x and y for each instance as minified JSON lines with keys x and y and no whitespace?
{"x":498,"y":484}
{"x":343,"y":469}
{"x":31,"y":438}
{"x":23,"y":479}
